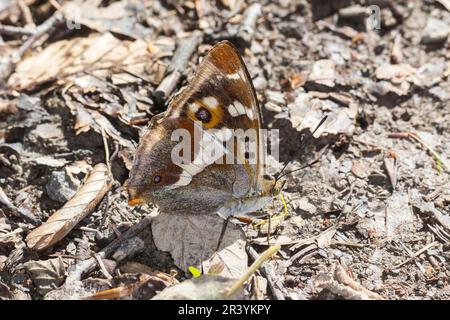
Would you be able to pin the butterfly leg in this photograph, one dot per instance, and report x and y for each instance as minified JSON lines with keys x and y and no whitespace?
{"x":222,"y":232}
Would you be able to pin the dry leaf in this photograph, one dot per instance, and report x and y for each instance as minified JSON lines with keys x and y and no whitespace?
{"x":76,"y":209}
{"x":206,"y":287}
{"x":397,"y":73}
{"x":46,"y":274}
{"x":390,"y":164}
{"x":306,"y":112}
{"x":361,"y":168}
{"x":142,"y":287}
{"x":64,"y":60}
{"x":445,"y":3}
{"x":340,"y":283}
{"x":324,"y":239}
{"x":192,"y":240}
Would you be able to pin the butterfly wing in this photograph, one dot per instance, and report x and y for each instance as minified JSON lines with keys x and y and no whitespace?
{"x":219,"y":98}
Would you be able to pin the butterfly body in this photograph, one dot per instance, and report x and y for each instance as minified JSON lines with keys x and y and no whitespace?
{"x":217,"y":106}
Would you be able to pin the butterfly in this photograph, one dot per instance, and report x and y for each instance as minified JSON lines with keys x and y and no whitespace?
{"x":218,"y":101}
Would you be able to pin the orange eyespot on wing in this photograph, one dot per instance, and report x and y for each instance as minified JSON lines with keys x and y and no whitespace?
{"x":206,"y":110}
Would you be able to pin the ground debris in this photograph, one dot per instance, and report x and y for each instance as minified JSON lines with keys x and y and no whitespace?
{"x":80,"y":80}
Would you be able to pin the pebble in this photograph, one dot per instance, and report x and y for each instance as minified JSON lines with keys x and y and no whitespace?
{"x":436,"y":31}
{"x":59,"y":187}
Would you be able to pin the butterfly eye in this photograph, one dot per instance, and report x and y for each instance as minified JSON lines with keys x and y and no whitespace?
{"x":157,"y":179}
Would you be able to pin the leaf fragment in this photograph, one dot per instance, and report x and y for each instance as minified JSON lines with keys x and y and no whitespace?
{"x":75,"y":210}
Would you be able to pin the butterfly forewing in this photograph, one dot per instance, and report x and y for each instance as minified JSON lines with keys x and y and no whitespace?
{"x":220,"y":100}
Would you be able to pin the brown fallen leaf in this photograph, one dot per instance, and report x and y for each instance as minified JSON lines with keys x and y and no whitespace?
{"x":76,"y":209}
{"x":445,"y":3}
{"x":143,"y":288}
{"x":214,"y":287}
{"x":46,"y":274}
{"x":396,"y":73}
{"x":390,"y":164}
{"x":199,"y":237}
{"x":361,"y":168}
{"x":396,"y":50}
{"x":340,"y":283}
{"x":65,"y":60}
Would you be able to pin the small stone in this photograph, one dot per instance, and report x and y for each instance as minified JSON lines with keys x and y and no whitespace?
{"x":48,"y":131}
{"x":436,"y":31}
{"x":270,"y":106}
{"x":304,"y":205}
{"x":71,"y":248}
{"x":275,"y":97}
{"x":60,"y":187}
{"x":323,"y":73}
{"x":346,"y":166}
{"x":297,"y":221}
{"x":360,"y":168}
{"x":129,"y":248}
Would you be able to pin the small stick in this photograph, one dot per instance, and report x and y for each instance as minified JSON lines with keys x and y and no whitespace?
{"x":22,"y":212}
{"x":7,"y":65}
{"x":86,"y":266}
{"x":278,"y":294}
{"x":347,"y":243}
{"x":41,"y":30}
{"x":102,"y":266}
{"x":255,"y":266}
{"x":433,"y":195}
{"x":415,"y":137}
{"x":177,"y":66}
{"x":418,"y":253}
{"x":16,"y":31}
{"x":247,"y":28}
{"x":342,"y":284}
{"x":105,"y":144}
{"x":26,"y":13}
{"x":222,"y":232}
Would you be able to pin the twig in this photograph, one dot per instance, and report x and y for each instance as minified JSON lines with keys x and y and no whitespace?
{"x":307,"y":252}
{"x":247,"y":28}
{"x":86,"y":266}
{"x":177,"y":66}
{"x":411,"y":255}
{"x":418,"y":253}
{"x":266,"y":271}
{"x":349,"y":244}
{"x":6,"y":235}
{"x":255,"y":266}
{"x":105,"y":145}
{"x":41,"y":30}
{"x":102,"y":267}
{"x":439,"y":232}
{"x":415,"y":137}
{"x":433,"y":195}
{"x":7,"y":64}
{"x":26,"y":13}
{"x":22,"y":212}
{"x":16,"y":31}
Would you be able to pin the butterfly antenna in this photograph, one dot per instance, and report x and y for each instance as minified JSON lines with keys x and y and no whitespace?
{"x":302,"y":143}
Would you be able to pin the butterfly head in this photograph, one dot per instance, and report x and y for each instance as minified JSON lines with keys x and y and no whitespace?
{"x":152,"y":175}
